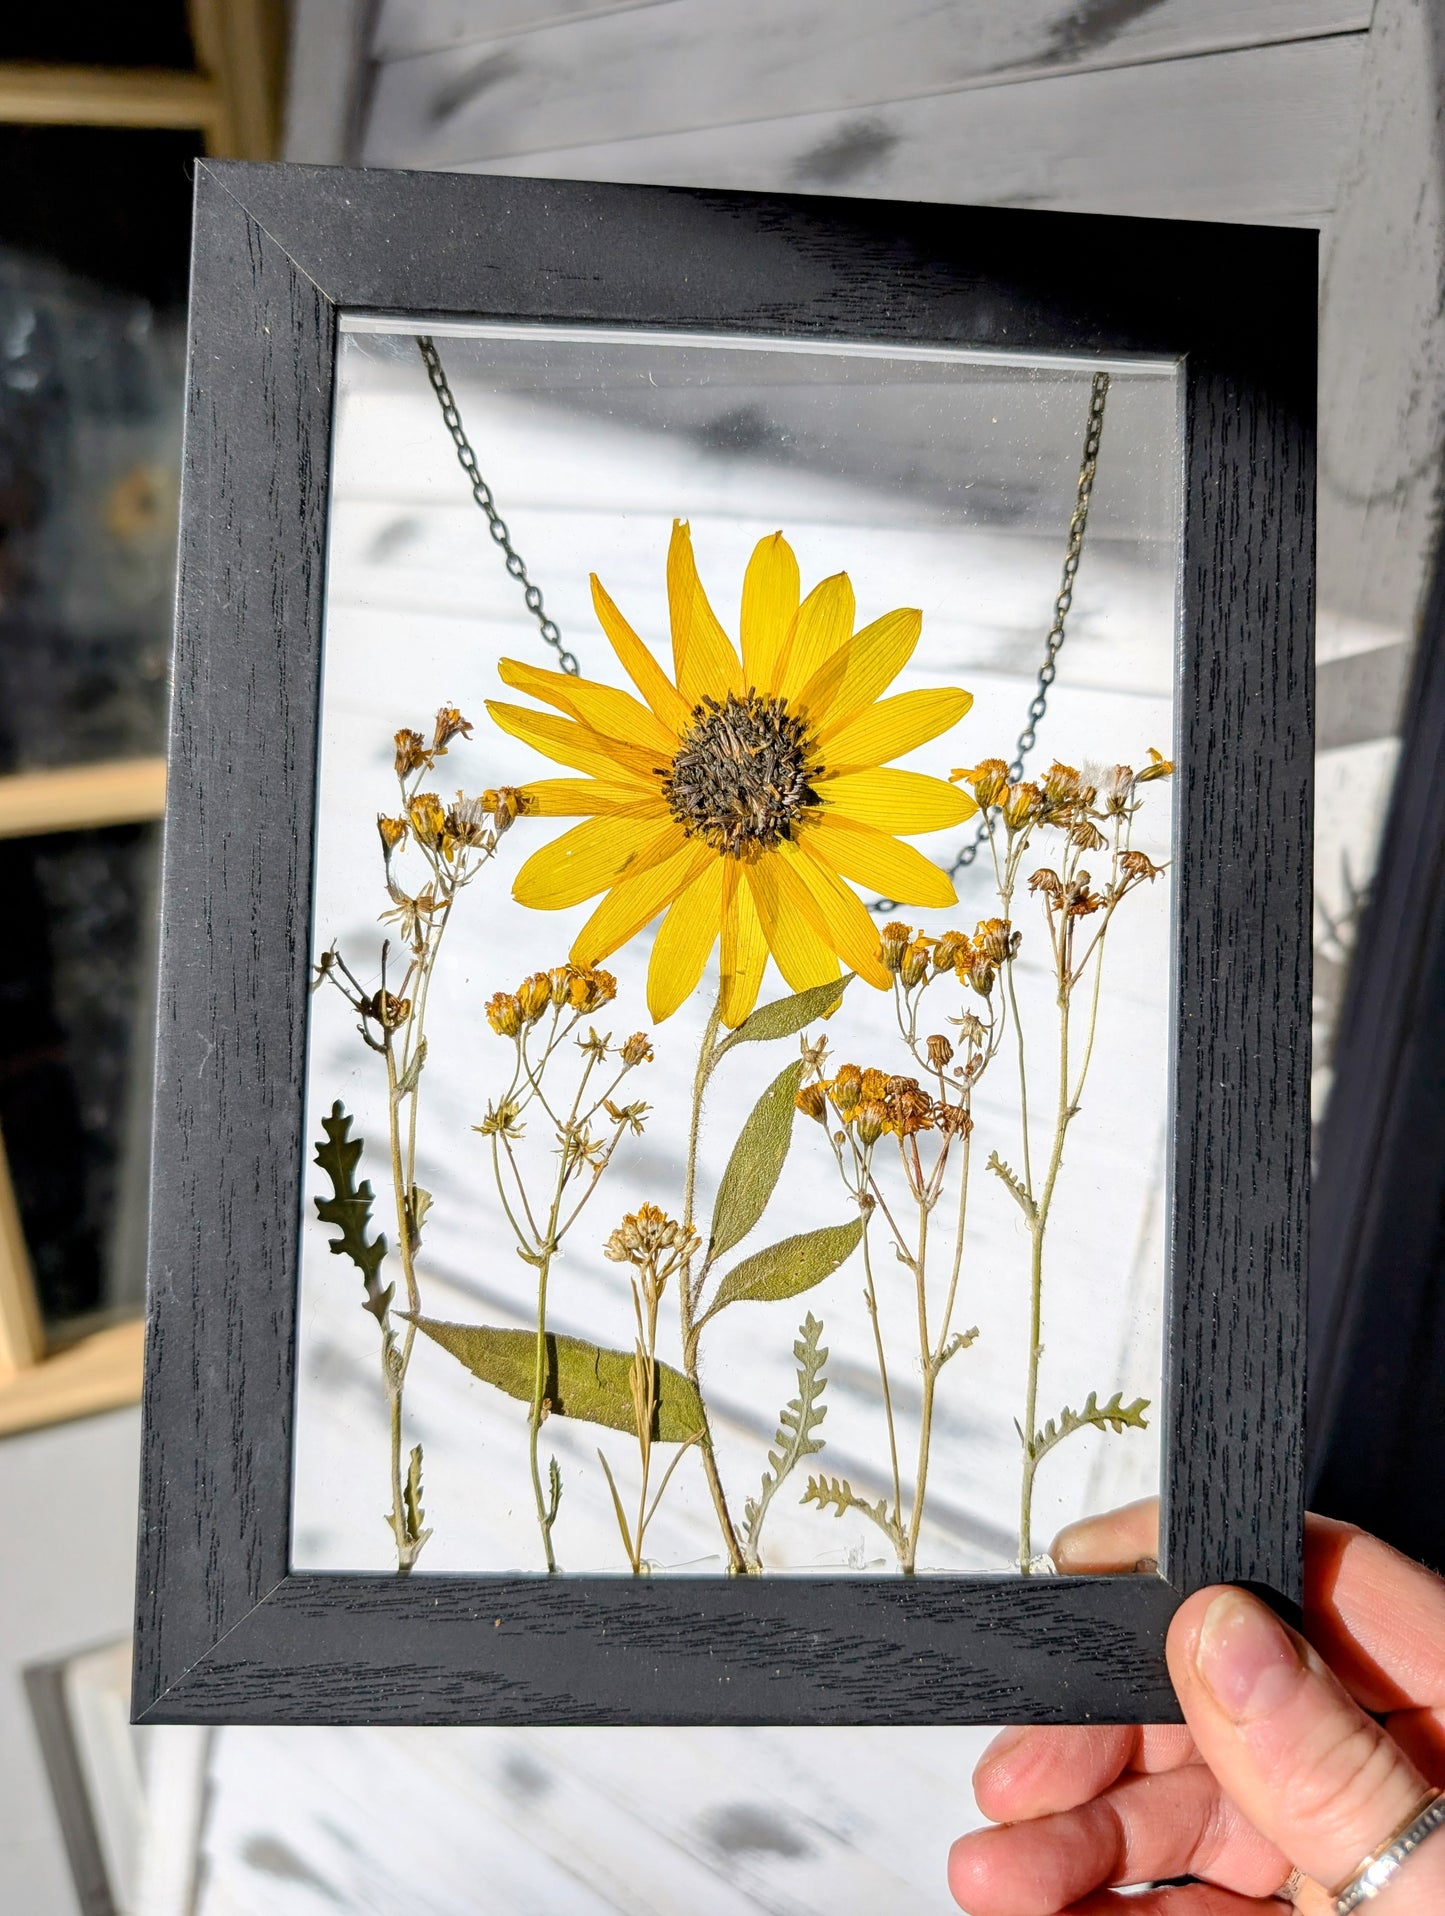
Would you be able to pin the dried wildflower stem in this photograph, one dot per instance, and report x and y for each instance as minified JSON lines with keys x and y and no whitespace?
{"x":1068,"y":802}
{"x":546,"y":1507}
{"x":689,"y":1290}
{"x":454,"y":843}
{"x":870,"y":1294}
{"x":553,"y":1003}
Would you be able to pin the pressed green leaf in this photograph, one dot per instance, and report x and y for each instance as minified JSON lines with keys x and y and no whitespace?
{"x":784,"y":1016}
{"x":582,"y":1380}
{"x":411,"y":1077}
{"x":416,"y":1530}
{"x":349,"y":1208}
{"x":756,"y":1164}
{"x":797,"y":1436}
{"x":1014,"y":1185}
{"x":839,"y":1496}
{"x":785,"y":1269}
{"x":1116,"y":1415}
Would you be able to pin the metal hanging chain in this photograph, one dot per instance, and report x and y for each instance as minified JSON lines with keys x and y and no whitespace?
{"x":1054,"y":643}
{"x":482,"y":493}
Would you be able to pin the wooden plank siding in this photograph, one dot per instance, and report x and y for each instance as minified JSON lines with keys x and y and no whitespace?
{"x":601,"y":76}
{"x":1251,"y":135}
{"x":406,"y":27}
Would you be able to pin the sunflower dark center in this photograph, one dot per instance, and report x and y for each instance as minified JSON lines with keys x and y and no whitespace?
{"x":742,"y":777}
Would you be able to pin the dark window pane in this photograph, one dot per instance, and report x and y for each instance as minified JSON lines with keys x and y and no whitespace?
{"x":143,"y":33}
{"x":111,"y":203}
{"x":75,"y":1021}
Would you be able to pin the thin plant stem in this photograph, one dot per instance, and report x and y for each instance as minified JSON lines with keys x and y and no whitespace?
{"x":949,"y":1301}
{"x":707,"y":1057}
{"x":546,"y":1251}
{"x":930,"y":1380}
{"x":871,"y":1294}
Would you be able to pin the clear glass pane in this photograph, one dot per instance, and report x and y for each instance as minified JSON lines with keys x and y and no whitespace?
{"x":943,"y":485}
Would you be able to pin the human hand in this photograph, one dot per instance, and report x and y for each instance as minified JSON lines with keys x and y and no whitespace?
{"x":1280,"y":1766}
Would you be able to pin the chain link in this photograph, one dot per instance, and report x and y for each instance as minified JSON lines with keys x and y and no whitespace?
{"x":482,"y":493}
{"x":1054,"y":643}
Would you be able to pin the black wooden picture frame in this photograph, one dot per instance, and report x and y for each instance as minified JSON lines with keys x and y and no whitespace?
{"x":226,"y":1631}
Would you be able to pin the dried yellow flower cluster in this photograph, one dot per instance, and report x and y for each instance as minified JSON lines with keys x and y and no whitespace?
{"x":578,"y":988}
{"x":915,"y":959}
{"x":875,"y":1104}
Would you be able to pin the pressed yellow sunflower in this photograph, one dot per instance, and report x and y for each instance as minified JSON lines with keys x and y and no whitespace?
{"x":740,"y":795}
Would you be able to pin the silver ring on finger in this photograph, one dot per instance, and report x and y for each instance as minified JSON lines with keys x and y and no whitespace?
{"x":1382,"y":1864}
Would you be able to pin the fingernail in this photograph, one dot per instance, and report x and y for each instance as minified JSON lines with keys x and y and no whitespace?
{"x":1247,"y":1660}
{"x":1005,"y":1741}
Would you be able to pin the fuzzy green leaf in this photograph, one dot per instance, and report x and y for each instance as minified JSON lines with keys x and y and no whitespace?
{"x":785,"y":1269}
{"x":582,"y":1380}
{"x":349,"y":1208}
{"x":837,"y":1494}
{"x":416,"y":1530}
{"x":797,"y":1436}
{"x":756,"y":1163}
{"x":1014,"y":1185}
{"x":409,"y":1079}
{"x":1116,"y":1415}
{"x":784,"y":1016}
{"x":418,"y":1204}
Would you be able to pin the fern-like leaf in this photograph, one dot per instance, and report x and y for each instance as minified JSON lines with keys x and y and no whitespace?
{"x":960,"y":1341}
{"x":349,"y":1209}
{"x":1014,"y":1185}
{"x":408,"y":1525}
{"x":1116,"y":1415}
{"x":554,"y":1491}
{"x":838,"y":1495}
{"x":797,"y":1433}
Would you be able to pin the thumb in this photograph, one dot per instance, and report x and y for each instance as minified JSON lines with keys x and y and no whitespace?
{"x":1293,"y":1751}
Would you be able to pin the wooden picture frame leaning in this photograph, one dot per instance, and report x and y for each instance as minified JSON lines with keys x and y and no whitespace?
{"x":226,"y":1631}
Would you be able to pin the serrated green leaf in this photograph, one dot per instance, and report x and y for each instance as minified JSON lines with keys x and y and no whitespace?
{"x":554,"y":1491}
{"x":784,"y":1016}
{"x":1014,"y":1186}
{"x":1116,"y":1415}
{"x":416,"y":1530}
{"x":349,"y":1209}
{"x":785,"y":1269}
{"x":418,"y":1204}
{"x":797,"y":1434}
{"x":837,"y":1494}
{"x":410,"y":1078}
{"x":583,"y":1381}
{"x":757,"y":1161}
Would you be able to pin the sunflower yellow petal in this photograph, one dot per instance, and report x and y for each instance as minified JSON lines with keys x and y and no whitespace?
{"x":590,"y":858}
{"x":894,"y":726}
{"x":591,"y":798}
{"x":770,"y":603}
{"x":640,"y":666}
{"x":896,"y":801}
{"x":704,"y":662}
{"x":637,"y":901}
{"x":684,"y":939}
{"x":792,"y":923}
{"x":851,"y":932}
{"x":606,"y":708}
{"x":568,"y":743}
{"x":844,"y":684}
{"x":744,"y":950}
{"x":824,"y":622}
{"x":883,"y":864}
